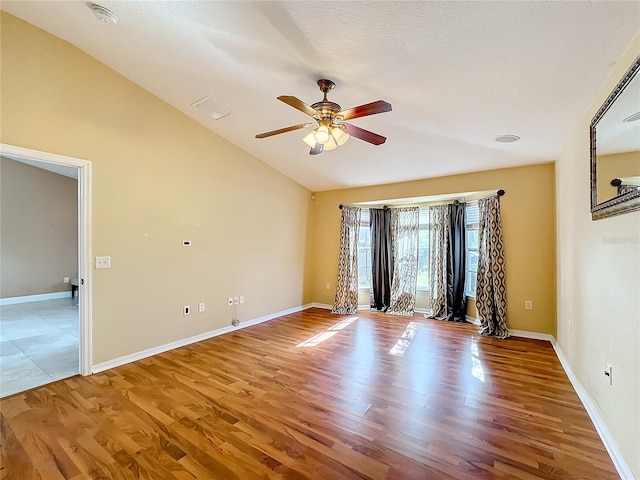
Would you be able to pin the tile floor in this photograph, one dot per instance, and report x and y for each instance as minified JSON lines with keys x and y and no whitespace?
{"x":39,"y":343}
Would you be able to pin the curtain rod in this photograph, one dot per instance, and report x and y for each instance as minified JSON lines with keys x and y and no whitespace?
{"x":500,"y":193}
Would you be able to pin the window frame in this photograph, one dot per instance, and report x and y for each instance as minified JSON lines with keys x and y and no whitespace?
{"x":424,"y":222}
{"x":470,"y":227}
{"x":364,"y":224}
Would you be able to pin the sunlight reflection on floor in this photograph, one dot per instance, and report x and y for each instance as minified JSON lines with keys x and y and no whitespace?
{"x":330,"y":332}
{"x":476,"y":366}
{"x":404,"y":341}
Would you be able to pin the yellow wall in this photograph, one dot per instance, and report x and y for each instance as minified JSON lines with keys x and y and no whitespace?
{"x":158,"y":178}
{"x":598,"y":287}
{"x":615,"y":166}
{"x":38,"y":230}
{"x":528,"y":228}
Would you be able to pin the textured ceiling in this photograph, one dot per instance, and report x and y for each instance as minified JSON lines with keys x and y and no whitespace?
{"x":457,"y":74}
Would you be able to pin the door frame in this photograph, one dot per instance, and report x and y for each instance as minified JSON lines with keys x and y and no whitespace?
{"x":84,"y":239}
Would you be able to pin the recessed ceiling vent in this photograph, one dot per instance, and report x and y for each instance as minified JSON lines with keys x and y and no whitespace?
{"x":211,"y":107}
{"x":632,"y":118}
{"x":507,"y":138}
{"x":104,"y":14}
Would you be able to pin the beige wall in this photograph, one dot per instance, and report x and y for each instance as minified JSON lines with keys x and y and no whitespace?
{"x":598,"y":287}
{"x":615,"y":166}
{"x":38,"y":231}
{"x":528,"y":229}
{"x":158,"y":178}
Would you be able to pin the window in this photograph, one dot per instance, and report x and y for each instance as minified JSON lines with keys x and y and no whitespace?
{"x":423,"y":251}
{"x":364,"y":250}
{"x":472,"y":249}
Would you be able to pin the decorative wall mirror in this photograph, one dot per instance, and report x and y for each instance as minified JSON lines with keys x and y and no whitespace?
{"x":615,"y":149}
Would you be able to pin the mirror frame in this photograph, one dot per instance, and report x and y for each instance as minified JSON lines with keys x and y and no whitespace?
{"x":626,"y":202}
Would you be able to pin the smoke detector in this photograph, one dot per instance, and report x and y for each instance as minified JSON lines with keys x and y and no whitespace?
{"x":104,"y":14}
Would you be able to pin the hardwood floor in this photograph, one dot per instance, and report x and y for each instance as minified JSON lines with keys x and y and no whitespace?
{"x":318,"y":396}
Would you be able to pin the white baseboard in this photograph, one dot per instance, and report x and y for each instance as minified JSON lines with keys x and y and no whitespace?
{"x":475,"y":321}
{"x":133,"y":357}
{"x":34,"y":298}
{"x":607,"y":439}
{"x":532,"y":335}
{"x":321,"y":305}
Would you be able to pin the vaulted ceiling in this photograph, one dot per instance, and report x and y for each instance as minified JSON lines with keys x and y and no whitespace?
{"x":458,"y":74}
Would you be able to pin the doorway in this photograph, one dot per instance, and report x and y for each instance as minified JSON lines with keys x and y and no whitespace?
{"x":82,"y":300}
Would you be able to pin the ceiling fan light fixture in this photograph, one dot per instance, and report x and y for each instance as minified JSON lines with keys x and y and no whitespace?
{"x":322,"y":135}
{"x":310,"y":139}
{"x":339,"y":135}
{"x":331,"y":144}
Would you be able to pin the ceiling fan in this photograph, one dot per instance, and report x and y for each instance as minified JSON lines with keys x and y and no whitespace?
{"x":331,"y":132}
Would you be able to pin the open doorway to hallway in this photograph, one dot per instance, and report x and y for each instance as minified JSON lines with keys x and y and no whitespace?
{"x":39,"y":254}
{"x":45,"y":329}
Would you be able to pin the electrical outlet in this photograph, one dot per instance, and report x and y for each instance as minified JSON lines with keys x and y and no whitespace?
{"x":186,"y":310}
{"x":201,"y":307}
{"x":236,"y":300}
{"x":103,"y":262}
{"x":66,"y":279}
{"x":241,"y":299}
{"x":230,"y":301}
{"x":327,"y":285}
{"x":528,"y":305}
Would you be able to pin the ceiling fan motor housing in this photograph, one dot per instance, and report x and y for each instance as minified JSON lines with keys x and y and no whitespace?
{"x":326,"y":109}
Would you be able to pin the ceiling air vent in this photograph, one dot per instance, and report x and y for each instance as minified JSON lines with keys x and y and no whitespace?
{"x":211,"y":107}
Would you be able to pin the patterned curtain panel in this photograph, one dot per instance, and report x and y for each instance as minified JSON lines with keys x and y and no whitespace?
{"x":491,"y":289}
{"x":346,"y":301}
{"x":438,"y":252}
{"x":404,"y":247}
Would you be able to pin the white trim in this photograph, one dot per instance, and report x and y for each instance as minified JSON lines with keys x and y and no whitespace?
{"x":34,"y":298}
{"x":133,"y":357}
{"x":610,"y":444}
{"x":364,"y":307}
{"x":85,"y":293}
{"x":533,"y":335}
{"x":475,"y":321}
{"x":326,"y":306}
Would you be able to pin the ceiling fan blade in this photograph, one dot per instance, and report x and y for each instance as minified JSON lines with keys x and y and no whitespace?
{"x":282,"y":130}
{"x":365,"y":135}
{"x":299,"y":104}
{"x":372,"y":108}
{"x":319,"y":148}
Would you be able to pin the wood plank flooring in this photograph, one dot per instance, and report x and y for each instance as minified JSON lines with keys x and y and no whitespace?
{"x":313,"y":396}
